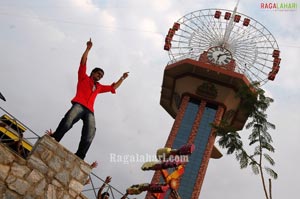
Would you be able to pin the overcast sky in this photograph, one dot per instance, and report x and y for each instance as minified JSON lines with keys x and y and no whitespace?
{"x":41,"y":45}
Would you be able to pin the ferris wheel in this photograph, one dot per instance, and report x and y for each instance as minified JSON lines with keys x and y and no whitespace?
{"x":249,"y":43}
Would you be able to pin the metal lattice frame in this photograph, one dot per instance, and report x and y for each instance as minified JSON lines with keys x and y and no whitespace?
{"x":251,"y":46}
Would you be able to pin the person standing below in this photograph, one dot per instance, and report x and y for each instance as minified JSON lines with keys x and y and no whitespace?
{"x":88,"y":87}
{"x":104,"y":195}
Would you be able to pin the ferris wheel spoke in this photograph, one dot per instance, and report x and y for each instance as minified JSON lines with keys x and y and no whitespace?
{"x":206,"y":25}
{"x":203,"y":29}
{"x":209,"y":22}
{"x":251,"y":65}
{"x":250,"y":45}
{"x":203,"y":41}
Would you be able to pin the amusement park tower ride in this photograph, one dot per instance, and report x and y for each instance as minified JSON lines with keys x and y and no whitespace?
{"x":213,"y":52}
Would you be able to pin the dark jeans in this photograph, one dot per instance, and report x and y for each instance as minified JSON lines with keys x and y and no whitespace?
{"x":75,"y":113}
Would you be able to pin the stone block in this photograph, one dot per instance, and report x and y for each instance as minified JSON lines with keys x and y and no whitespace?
{"x":40,"y":188}
{"x":38,"y":164}
{"x":72,"y":158}
{"x":63,"y":177}
{"x":55,"y":163}
{"x":68,"y":164}
{"x":86,"y":168}
{"x":72,"y":193}
{"x":29,"y":197}
{"x":4,"y":169}
{"x":78,"y":174}
{"x":19,"y":170}
{"x":56,"y":183}
{"x":34,"y":176}
{"x":60,"y":193}
{"x":50,"y":192}
{"x":39,"y":148}
{"x":76,"y":186}
{"x":66,"y":196}
{"x":2,"y":188}
{"x":51,"y":174}
{"x":49,"y":143}
{"x":46,"y":155}
{"x":6,"y":156}
{"x":11,"y":195}
{"x":64,"y":153}
{"x":18,"y":185}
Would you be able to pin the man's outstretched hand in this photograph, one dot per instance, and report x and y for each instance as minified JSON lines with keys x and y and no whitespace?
{"x":89,"y":44}
{"x":125,"y":75}
{"x":94,"y":164}
{"x":107,"y":180}
{"x":49,"y":132}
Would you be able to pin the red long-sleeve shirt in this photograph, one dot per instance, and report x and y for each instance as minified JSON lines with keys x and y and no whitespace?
{"x":85,"y":94}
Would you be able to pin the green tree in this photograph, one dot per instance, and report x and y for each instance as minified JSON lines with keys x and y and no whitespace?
{"x":256,"y":103}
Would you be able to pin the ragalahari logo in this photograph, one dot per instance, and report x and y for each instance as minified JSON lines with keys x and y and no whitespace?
{"x":279,"y":6}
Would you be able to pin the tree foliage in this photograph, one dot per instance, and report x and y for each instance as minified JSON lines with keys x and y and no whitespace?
{"x":255,"y":103}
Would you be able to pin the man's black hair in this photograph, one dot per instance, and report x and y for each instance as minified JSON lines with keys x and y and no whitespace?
{"x":104,"y":194}
{"x":96,"y":70}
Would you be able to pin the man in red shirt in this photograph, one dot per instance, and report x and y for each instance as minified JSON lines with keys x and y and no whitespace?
{"x":82,"y":108}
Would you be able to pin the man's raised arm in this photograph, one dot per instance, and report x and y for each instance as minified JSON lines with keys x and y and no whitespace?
{"x":119,"y":82}
{"x":89,"y":45}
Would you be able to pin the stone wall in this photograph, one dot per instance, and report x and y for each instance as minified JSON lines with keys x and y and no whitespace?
{"x":49,"y":172}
